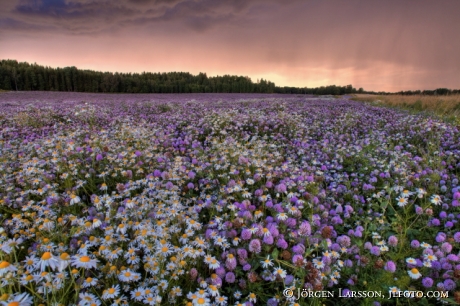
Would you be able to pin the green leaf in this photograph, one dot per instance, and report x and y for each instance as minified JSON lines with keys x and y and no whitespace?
{"x":275,"y":254}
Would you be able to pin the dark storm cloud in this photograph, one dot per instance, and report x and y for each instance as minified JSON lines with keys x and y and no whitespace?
{"x":100,"y":15}
{"x":13,"y":24}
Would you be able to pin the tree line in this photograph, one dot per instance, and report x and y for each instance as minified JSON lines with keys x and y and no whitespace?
{"x":438,"y":91}
{"x":23,"y":76}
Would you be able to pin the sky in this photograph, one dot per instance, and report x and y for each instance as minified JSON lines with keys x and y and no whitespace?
{"x":378,"y":45}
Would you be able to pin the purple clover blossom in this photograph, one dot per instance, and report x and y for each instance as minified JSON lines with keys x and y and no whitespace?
{"x":246,"y":234}
{"x":193,"y":273}
{"x":230,"y":277}
{"x":449,"y":285}
{"x":278,"y":208}
{"x":392,"y":241}
{"x":348,"y":263}
{"x":291,"y":222}
{"x":230,"y":263}
{"x":242,"y":253}
{"x":439,"y":254}
{"x":255,"y":246}
{"x":457,"y":195}
{"x":390,"y":266}
{"x":297,"y":258}
{"x":298,"y":249}
{"x":427,"y":282}
{"x":268,"y":239}
{"x":457,"y":237}
{"x":375,"y":250}
{"x":281,"y":243}
{"x":436,"y":265}
{"x":446,"y":247}
{"x":305,"y":229}
{"x":446,"y":266}
{"x":246,"y":267}
{"x":415,"y":244}
{"x":281,"y":188}
{"x":273,"y":230}
{"x":220,"y":272}
{"x":288,"y":279}
{"x":440,"y":237}
{"x":335,"y":247}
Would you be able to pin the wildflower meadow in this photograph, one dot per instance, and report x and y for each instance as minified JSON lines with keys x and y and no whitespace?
{"x":223,"y":199}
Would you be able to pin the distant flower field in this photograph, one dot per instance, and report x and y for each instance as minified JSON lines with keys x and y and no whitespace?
{"x":224,"y":200}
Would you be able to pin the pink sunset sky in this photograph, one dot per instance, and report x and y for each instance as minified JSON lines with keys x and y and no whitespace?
{"x":379,"y":45}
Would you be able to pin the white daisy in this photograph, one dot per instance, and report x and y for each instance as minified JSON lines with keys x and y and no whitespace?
{"x":89,"y":282}
{"x":279,"y":272}
{"x":47,"y":260}
{"x":84,"y":262}
{"x":111,"y":293}
{"x":137,"y":294}
{"x":411,"y":261}
{"x":6,"y":267}
{"x":420,"y":192}
{"x":406,"y":193}
{"x":402,"y":201}
{"x":266,"y":262}
{"x":20,"y":299}
{"x":74,"y":199}
{"x":414,"y":273}
{"x":435,"y":199}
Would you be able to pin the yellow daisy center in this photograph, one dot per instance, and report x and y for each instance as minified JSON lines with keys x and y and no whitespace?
{"x":4,"y":265}
{"x":46,"y":256}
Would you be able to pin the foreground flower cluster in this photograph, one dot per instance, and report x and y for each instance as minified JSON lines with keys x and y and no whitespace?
{"x":221,"y":199}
